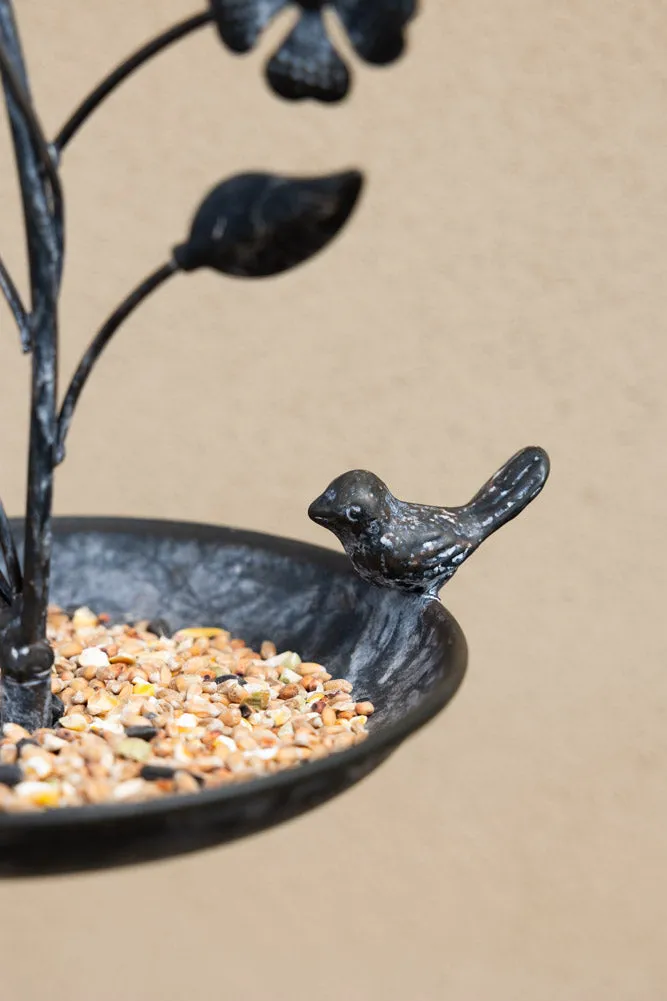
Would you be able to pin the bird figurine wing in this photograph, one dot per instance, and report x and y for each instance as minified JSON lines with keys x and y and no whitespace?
{"x":422,"y":548}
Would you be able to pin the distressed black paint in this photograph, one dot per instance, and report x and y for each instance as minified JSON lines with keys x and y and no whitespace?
{"x":402,"y":651}
{"x":306,"y":64}
{"x":396,"y":643}
{"x":250,"y":226}
{"x":256,"y":225}
{"x":25,"y":694}
{"x":418,"y":548}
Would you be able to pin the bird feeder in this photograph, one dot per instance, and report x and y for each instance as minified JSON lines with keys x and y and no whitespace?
{"x":371,"y":614}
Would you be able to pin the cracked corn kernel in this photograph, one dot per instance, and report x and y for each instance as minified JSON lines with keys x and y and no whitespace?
{"x":76,"y":721}
{"x":279,"y":716}
{"x":134,"y":748}
{"x":102,"y":702}
{"x":52,"y":743}
{"x":38,"y":793}
{"x":107,"y":725}
{"x":83,"y":617}
{"x":204,"y":632}
{"x":142,"y":687}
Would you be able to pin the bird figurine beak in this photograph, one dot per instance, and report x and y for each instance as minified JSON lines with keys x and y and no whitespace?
{"x":319,"y":511}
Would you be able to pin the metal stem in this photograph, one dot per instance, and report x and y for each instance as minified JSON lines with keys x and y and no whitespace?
{"x":8,"y":549}
{"x":20,"y":108}
{"x":122,"y":71}
{"x":6,"y":591}
{"x":21,"y":98}
{"x":43,"y":420}
{"x":11,"y":584}
{"x":15,"y":303}
{"x":97,"y":346}
{"x":26,"y":657}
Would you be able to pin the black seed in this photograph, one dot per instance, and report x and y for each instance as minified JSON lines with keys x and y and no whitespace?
{"x":246,"y":711}
{"x":143,"y":732}
{"x":25,"y":741}
{"x":159,"y":627}
{"x":10,"y":775}
{"x":154,"y":772}
{"x":230,"y":677}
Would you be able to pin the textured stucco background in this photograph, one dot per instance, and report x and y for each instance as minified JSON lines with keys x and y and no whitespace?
{"x":503,"y":283}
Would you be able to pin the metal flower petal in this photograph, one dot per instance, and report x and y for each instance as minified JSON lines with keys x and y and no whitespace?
{"x":255,"y":225}
{"x":241,"y":22}
{"x":306,"y":65}
{"x":376,"y":27}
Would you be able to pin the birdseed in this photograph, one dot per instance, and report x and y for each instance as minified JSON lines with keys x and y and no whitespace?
{"x":145,"y":715}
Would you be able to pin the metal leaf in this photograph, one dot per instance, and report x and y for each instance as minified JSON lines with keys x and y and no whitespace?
{"x":255,"y":225}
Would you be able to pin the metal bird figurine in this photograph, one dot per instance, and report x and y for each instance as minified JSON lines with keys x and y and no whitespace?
{"x":418,"y":548}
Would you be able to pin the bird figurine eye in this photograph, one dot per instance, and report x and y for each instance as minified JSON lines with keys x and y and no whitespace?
{"x":353,"y":513}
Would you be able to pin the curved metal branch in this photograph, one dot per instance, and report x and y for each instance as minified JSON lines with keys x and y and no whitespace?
{"x":26,"y":691}
{"x":5,"y":591}
{"x":8,"y":549}
{"x":97,"y":346}
{"x":15,"y":303}
{"x":122,"y":71}
{"x":21,"y":99}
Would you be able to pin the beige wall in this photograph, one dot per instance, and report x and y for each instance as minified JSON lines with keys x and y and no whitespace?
{"x":502,"y":284}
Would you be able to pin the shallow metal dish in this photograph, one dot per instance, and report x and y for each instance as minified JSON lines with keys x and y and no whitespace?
{"x":404,"y":652}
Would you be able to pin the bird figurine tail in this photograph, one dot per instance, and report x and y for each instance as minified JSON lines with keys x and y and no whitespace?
{"x":509,"y":490}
